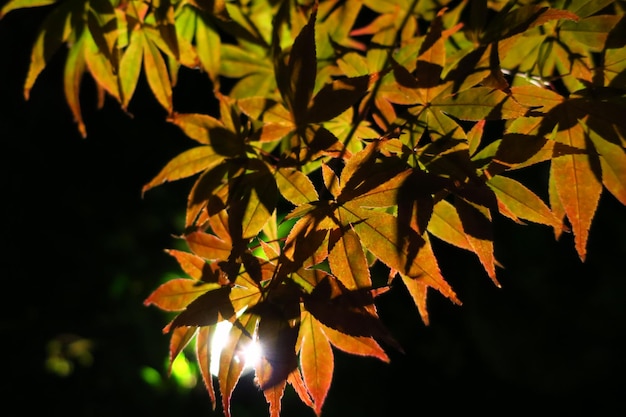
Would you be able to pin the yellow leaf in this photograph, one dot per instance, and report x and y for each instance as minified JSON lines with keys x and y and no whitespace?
{"x":156,"y":74}
{"x":186,"y":164}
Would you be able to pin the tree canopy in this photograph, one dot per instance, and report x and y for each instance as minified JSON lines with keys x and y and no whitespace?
{"x":348,"y":136}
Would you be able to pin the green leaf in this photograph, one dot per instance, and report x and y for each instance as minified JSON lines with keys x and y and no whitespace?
{"x":208,"y":45}
{"x":130,"y":67}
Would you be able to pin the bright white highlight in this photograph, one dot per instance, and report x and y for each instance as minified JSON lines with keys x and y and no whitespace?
{"x":250,"y":354}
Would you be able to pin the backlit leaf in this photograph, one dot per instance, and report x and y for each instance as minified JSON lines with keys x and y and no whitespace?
{"x":355,"y":345}
{"x":156,"y":74}
{"x":231,"y":366}
{"x":316,"y":360}
{"x":130,"y":67}
{"x":294,"y":186}
{"x":208,"y":246}
{"x":178,"y":341}
{"x":204,"y":339}
{"x":347,"y":260}
{"x":207,"y":309}
{"x":74,"y":70}
{"x":22,"y":4}
{"x":176,"y":294}
{"x":521,"y":201}
{"x":192,"y":265}
{"x":186,"y":164}
{"x":613,"y":164}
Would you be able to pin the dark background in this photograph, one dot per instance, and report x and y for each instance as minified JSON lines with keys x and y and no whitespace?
{"x":82,"y":249}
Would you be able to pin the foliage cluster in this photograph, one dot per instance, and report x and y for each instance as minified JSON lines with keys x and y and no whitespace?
{"x":349,"y":134}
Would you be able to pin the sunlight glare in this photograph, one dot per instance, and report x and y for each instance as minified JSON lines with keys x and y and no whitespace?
{"x":250,"y":354}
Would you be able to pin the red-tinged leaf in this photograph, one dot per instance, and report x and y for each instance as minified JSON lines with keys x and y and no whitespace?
{"x":156,"y":74}
{"x":72,"y":76}
{"x":208,"y":246}
{"x":204,"y":339}
{"x":186,"y":164}
{"x":192,"y":265}
{"x":355,"y":345}
{"x":577,"y":186}
{"x":130,"y":67}
{"x":522,"y":202}
{"x":347,"y":260}
{"x":316,"y":360}
{"x":475,"y":135}
{"x":336,"y":97}
{"x":231,"y":366}
{"x":206,"y":310}
{"x":476,"y":221}
{"x":294,"y":186}
{"x":345,"y":310}
{"x":446,"y":225}
{"x":613,"y":164}
{"x":302,"y":69}
{"x":296,"y":381}
{"x":176,"y":294}
{"x":178,"y":341}
{"x":273,"y":396}
{"x":411,"y":255}
{"x":418,"y":290}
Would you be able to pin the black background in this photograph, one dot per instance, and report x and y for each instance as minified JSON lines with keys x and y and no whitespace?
{"x":82,"y":249}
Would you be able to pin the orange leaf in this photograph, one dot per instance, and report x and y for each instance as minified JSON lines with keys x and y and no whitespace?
{"x":176,"y":294}
{"x":231,"y":366}
{"x":208,"y":246}
{"x":347,"y":260}
{"x":355,"y":345}
{"x":192,"y":265}
{"x":316,"y":360}
{"x":180,"y":338}
{"x":577,"y":186}
{"x":203,"y":355}
{"x":522,"y":202}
